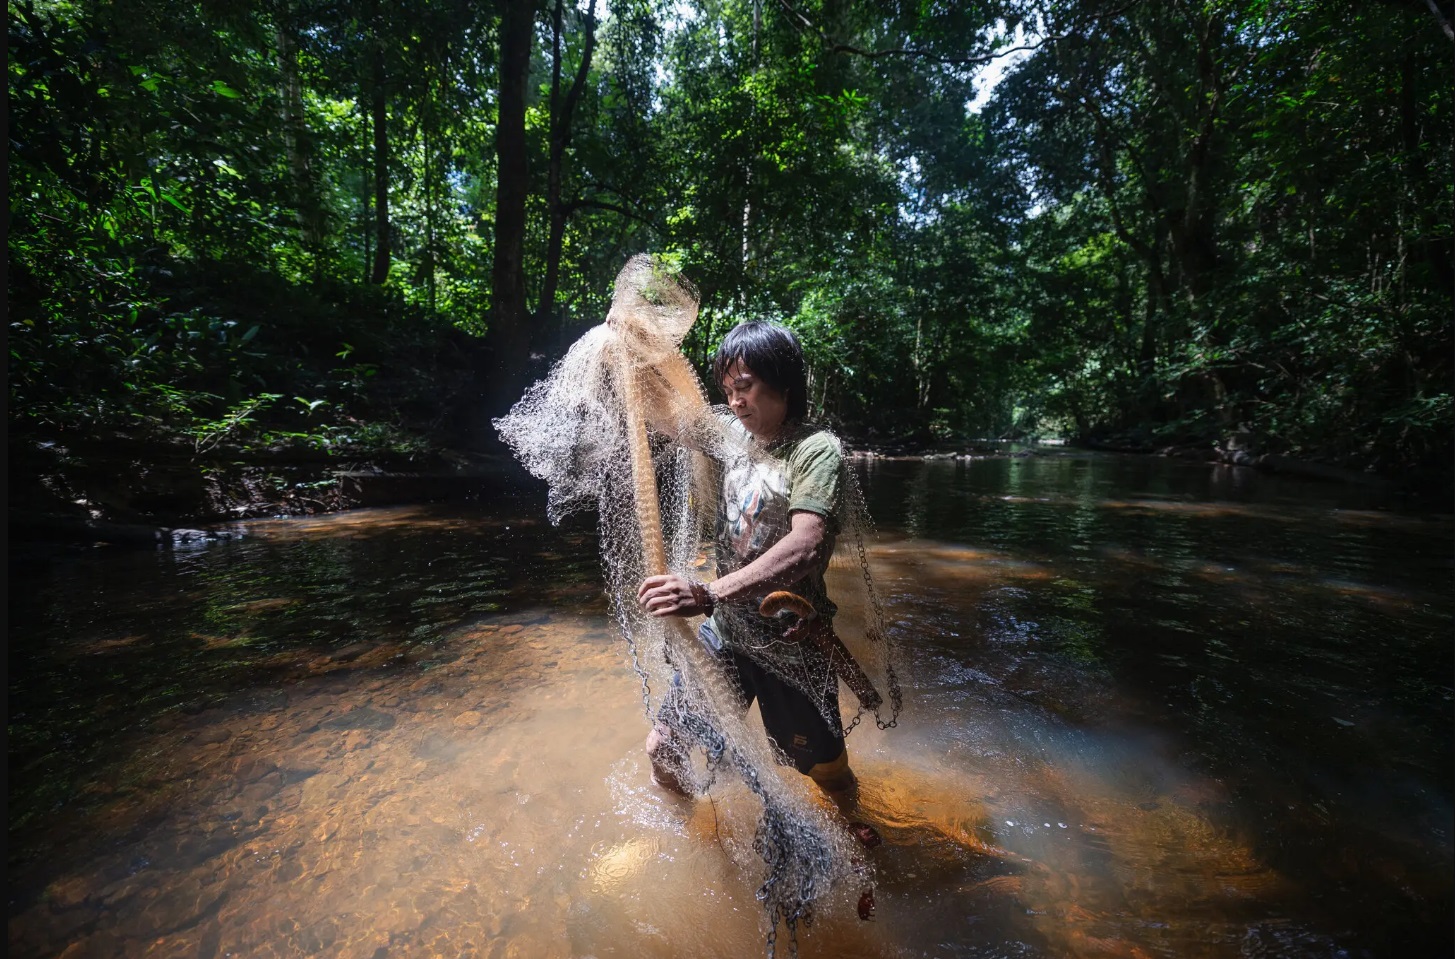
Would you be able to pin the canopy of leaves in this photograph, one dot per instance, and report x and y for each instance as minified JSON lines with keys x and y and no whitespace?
{"x":1166,"y":222}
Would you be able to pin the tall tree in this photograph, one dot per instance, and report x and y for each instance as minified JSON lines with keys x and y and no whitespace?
{"x":509,"y":318}
{"x":563,"y":109}
{"x":297,"y":138}
{"x":379,"y":123}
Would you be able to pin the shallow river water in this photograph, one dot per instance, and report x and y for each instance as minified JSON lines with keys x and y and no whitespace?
{"x":1151,"y":709}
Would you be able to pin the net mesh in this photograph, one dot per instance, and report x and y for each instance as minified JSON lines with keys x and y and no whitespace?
{"x":621,"y":424}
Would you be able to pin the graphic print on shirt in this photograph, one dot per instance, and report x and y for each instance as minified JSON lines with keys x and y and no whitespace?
{"x":755,"y":504}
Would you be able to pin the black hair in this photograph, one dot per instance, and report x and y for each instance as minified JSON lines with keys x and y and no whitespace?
{"x":773,"y":354}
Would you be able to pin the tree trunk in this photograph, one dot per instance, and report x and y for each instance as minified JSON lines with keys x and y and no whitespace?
{"x":508,"y":331}
{"x":365,"y":233}
{"x":561,"y":115}
{"x":297,"y":144}
{"x":1193,"y":239}
{"x":920,"y":362}
{"x":429,"y":258}
{"x":1436,"y":250}
{"x":381,"y":171}
{"x":1193,"y":242}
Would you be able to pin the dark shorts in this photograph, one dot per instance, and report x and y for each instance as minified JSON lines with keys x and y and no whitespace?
{"x":791,"y":718}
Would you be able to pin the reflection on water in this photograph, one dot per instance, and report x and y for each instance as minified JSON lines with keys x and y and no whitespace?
{"x":1152,"y":709}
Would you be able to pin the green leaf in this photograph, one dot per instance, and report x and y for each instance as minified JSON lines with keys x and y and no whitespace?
{"x":222,"y":89}
{"x":177,"y":203}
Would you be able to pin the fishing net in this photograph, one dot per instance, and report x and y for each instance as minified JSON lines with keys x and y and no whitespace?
{"x":621,"y":424}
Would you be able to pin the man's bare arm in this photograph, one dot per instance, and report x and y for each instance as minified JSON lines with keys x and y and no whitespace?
{"x":786,"y":562}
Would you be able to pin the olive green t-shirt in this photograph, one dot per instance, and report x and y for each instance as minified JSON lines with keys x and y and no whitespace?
{"x":803,"y":470}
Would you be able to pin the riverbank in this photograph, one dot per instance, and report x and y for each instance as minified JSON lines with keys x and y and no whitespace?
{"x":1430,"y":487}
{"x":154,"y":494}
{"x":144,"y":494}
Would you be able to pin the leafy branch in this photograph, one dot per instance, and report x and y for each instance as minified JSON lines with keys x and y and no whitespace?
{"x":804,"y":25}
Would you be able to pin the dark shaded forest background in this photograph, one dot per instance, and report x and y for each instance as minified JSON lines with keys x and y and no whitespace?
{"x":353,"y":231}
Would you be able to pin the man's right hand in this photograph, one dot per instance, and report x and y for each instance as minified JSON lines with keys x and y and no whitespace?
{"x":669,"y":595}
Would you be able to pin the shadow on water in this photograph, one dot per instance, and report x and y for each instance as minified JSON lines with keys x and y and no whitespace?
{"x":1153,"y":709}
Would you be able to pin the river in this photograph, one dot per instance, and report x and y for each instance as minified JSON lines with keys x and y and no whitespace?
{"x":1152,"y":709}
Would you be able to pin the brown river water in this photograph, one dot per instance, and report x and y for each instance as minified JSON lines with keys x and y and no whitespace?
{"x":1152,"y":709}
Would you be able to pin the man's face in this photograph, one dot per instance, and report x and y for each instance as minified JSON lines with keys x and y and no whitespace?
{"x":760,"y":408}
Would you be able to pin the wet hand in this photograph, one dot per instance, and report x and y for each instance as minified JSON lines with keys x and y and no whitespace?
{"x":668,"y":595}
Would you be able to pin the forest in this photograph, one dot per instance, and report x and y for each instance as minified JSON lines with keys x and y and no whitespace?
{"x":353,"y":232}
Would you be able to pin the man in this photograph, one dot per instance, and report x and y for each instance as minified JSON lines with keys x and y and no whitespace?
{"x":777,"y":518}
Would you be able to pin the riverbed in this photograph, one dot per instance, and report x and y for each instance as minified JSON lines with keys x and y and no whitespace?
{"x":1152,"y":708}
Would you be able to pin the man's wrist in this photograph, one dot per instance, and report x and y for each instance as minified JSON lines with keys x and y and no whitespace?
{"x":703,"y":596}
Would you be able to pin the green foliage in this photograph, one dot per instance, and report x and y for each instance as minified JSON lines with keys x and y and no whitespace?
{"x":1243,"y":222}
{"x":1167,"y":221}
{"x":238,"y":420}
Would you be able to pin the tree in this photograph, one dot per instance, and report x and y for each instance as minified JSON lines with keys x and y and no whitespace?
{"x":509,"y":317}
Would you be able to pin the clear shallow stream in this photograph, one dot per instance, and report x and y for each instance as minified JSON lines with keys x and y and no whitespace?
{"x":1152,"y":709}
